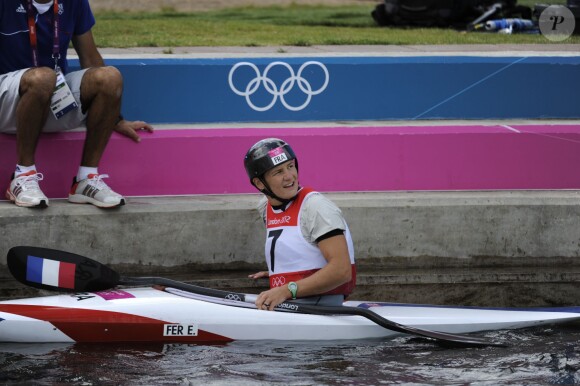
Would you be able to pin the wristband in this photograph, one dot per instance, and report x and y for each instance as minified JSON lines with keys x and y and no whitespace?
{"x":293,"y":288}
{"x":120,"y":119}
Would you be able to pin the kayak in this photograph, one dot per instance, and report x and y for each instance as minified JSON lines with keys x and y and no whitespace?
{"x":160,"y":314}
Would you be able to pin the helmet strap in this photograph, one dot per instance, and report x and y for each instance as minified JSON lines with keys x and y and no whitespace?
{"x":268,"y":192}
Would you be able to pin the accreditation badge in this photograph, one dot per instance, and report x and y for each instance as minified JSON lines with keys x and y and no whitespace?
{"x":62,"y":100}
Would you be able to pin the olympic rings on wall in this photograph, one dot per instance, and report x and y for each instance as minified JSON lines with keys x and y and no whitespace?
{"x":271,"y":87}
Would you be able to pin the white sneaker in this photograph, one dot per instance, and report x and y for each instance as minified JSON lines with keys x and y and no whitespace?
{"x":93,"y":190}
{"x":25,"y":191}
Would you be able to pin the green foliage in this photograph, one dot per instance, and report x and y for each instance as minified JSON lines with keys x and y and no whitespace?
{"x":294,"y":25}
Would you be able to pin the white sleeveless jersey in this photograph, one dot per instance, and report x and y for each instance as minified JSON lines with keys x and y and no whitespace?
{"x":290,"y":257}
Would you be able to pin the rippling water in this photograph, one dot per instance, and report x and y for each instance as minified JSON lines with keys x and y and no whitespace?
{"x":534,"y":357}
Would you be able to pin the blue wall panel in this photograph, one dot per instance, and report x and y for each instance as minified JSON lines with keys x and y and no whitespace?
{"x":358,"y":88}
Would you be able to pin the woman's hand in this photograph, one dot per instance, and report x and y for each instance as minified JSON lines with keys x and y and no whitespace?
{"x":259,"y":275}
{"x":267,"y":300}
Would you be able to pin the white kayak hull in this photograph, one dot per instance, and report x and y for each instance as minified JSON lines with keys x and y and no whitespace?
{"x":151,"y":315}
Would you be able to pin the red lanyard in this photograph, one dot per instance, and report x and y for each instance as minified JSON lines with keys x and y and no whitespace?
{"x":33,"y":34}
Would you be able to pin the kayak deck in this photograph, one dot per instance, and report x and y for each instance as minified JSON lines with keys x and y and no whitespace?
{"x":152,"y":315}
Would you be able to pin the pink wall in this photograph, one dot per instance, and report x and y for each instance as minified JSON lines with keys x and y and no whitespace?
{"x":210,"y":161}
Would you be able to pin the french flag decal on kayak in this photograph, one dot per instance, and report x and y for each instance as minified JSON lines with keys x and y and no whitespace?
{"x":50,"y":272}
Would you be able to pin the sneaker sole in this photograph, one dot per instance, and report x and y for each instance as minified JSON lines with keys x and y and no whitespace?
{"x":42,"y":204}
{"x":80,"y":199}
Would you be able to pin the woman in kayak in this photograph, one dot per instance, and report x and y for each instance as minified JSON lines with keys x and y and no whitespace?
{"x":309,"y":248}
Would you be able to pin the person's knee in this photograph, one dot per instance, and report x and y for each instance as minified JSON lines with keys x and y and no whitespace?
{"x":39,"y":80}
{"x":107,"y":80}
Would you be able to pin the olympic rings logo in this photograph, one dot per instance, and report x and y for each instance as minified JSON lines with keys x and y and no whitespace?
{"x":271,"y":87}
{"x":278,"y":281}
{"x":233,"y":297}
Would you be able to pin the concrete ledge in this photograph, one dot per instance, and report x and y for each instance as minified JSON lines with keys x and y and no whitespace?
{"x":476,"y":244}
{"x":391,"y":229}
{"x":375,"y":158}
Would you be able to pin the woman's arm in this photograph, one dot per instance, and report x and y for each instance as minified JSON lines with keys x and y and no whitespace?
{"x":337,"y":272}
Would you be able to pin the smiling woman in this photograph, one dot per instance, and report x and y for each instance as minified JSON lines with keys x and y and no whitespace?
{"x":309,"y":249}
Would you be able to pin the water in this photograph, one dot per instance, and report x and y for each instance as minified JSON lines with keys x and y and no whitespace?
{"x":539,"y":356}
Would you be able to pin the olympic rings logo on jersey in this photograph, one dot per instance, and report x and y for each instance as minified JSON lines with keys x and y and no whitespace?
{"x":271,"y":87}
{"x":278,"y":281}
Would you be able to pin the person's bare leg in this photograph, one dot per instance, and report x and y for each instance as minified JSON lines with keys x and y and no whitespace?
{"x":35,"y":92}
{"x":101,"y":91}
{"x":36,"y":88}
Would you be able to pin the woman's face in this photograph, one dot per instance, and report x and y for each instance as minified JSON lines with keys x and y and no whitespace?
{"x":282,"y":180}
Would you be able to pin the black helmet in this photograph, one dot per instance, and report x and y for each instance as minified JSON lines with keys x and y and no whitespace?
{"x":265,"y":155}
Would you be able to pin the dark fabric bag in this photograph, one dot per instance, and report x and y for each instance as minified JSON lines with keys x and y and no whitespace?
{"x":443,"y":13}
